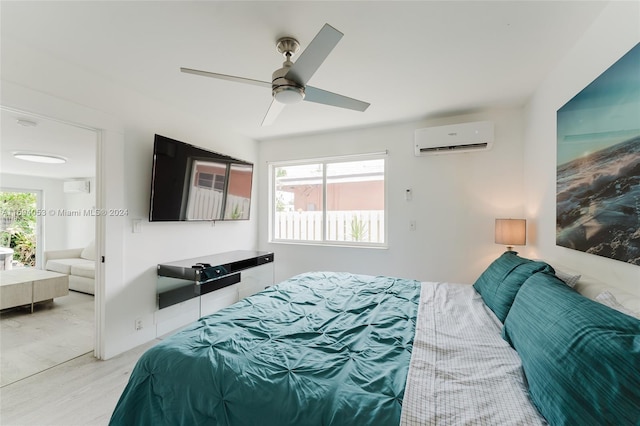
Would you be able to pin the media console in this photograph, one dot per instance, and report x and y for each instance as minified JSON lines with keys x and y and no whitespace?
{"x":192,"y":288}
{"x":191,"y":278}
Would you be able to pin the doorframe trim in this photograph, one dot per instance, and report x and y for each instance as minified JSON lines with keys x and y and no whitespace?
{"x":21,"y":99}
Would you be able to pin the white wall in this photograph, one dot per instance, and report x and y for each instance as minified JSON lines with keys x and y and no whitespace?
{"x":35,"y":82}
{"x":81,"y":229}
{"x":614,"y":33}
{"x":456,"y":198}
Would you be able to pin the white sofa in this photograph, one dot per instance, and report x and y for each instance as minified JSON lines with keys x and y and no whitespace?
{"x":78,"y":263}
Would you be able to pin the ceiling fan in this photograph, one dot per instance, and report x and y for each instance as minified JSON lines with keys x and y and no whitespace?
{"x":289,"y":83}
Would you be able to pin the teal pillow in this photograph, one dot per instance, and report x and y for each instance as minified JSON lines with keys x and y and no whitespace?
{"x":581,"y":358}
{"x":500,"y":282}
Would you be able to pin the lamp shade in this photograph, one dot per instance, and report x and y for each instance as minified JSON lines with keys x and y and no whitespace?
{"x":511,"y":232}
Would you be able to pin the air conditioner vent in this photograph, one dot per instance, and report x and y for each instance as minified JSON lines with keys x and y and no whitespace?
{"x":468,"y":146}
{"x":464,"y":137}
{"x":76,"y":186}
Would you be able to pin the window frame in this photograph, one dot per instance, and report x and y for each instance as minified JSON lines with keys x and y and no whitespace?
{"x":325,"y":161}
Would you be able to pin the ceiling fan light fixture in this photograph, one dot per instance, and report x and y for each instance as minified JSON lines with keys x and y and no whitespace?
{"x":40,"y":158}
{"x":288,"y":94}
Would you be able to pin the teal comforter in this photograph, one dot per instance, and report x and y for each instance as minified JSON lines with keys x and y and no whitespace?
{"x":318,"y":349}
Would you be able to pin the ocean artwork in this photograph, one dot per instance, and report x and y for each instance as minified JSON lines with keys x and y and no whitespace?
{"x":598,"y":165}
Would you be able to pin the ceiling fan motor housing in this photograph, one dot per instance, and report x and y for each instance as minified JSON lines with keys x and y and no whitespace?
{"x":284,"y":90}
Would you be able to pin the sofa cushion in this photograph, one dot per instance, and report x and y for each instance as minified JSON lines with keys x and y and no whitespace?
{"x":89,"y":252}
{"x":581,"y":359}
{"x":87,"y":270}
{"x":500,"y":282}
{"x":63,"y":266}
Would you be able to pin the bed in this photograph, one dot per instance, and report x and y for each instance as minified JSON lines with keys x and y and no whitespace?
{"x":329,"y":348}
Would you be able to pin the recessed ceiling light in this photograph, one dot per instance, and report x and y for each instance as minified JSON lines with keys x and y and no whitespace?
{"x":40,"y":158}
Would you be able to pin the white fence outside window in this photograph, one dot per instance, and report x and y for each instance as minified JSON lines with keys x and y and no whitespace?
{"x":204,"y":204}
{"x":363,"y":226}
{"x":237,"y":207}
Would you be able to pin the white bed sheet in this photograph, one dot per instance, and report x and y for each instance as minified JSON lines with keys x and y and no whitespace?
{"x":462,"y":372}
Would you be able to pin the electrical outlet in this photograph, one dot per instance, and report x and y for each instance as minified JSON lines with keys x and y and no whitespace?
{"x":138,"y":324}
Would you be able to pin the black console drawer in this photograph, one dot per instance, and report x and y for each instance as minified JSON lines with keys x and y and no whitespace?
{"x":219,"y":283}
{"x":267,"y":258}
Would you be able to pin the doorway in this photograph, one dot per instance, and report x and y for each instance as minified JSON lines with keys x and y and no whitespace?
{"x":52,"y":205}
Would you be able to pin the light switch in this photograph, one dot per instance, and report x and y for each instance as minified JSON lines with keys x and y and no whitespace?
{"x":137,"y":226}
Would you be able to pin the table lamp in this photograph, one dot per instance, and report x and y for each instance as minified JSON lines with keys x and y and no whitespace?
{"x":511,"y":232}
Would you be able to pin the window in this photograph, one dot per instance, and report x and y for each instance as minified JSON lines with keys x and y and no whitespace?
{"x":337,"y":201}
{"x":211,"y":181}
{"x":20,"y":225}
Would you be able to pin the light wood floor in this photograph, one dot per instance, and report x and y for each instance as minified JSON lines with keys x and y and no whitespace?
{"x":55,"y":332}
{"x":83,"y":391}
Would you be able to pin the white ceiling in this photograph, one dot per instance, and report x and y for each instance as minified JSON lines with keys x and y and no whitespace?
{"x":46,"y":136}
{"x":410,"y":60}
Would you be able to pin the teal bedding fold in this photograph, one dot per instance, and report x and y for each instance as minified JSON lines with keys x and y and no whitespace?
{"x":318,"y":349}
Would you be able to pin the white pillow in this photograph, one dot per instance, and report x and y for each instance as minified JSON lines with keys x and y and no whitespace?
{"x":569,"y":279}
{"x":608,"y":299}
{"x":89,"y":252}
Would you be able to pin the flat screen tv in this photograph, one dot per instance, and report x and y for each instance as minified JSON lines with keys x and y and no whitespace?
{"x":193,"y":184}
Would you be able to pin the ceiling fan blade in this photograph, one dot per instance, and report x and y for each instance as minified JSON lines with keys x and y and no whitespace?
{"x":227,"y":77}
{"x":313,"y":94}
{"x":272,"y":113}
{"x":314,"y":55}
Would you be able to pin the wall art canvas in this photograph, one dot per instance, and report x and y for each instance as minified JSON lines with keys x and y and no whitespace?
{"x":598,"y":165}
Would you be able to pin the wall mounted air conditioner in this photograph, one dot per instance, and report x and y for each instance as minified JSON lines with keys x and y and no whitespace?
{"x":76,"y":186}
{"x":464,"y":137}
